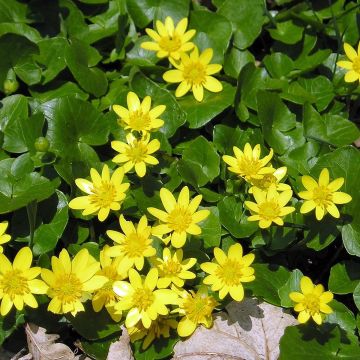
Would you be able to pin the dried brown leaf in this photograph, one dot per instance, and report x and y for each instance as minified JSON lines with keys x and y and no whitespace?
{"x":42,"y":346}
{"x":250,"y":330}
{"x":121,"y":349}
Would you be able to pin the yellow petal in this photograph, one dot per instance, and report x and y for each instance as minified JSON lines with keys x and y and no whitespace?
{"x":306,"y":285}
{"x":309,"y":183}
{"x":307,"y":206}
{"x":319,"y":212}
{"x":173,"y":76}
{"x":345,"y":64}
{"x":212,"y":84}
{"x":186,"y":327}
{"x":133,"y":101}
{"x":198,"y":92}
{"x":350,"y":51}
{"x":351,"y":76}
{"x":23,"y":259}
{"x":303,"y":317}
{"x":341,"y":198}
{"x":324,"y":177}
{"x":168,"y":200}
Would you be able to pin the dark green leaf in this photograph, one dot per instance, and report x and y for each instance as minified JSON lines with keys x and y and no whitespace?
{"x":344,"y":277}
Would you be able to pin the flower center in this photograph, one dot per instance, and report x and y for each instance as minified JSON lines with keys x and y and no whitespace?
{"x":356,"y":64}
{"x":322,"y":196}
{"x":137,"y":152}
{"x":312,"y":303}
{"x":171,"y":267}
{"x":269,"y":210}
{"x":230,"y":273}
{"x":67,"y":288}
{"x":138,"y":120}
{"x":135,"y":245}
{"x":103,"y":195}
{"x":265,"y":182}
{"x":179,"y":219}
{"x":200,"y":306}
{"x":142,"y":298}
{"x":248,"y":166}
{"x":170,"y":43}
{"x":13,"y":283}
{"x":107,"y":292}
{"x":195,"y":73}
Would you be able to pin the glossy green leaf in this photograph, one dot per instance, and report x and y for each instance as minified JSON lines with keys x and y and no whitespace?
{"x":72,"y":122}
{"x":211,"y":228}
{"x":287,"y":32}
{"x":344,"y":277}
{"x":80,"y":58}
{"x":18,"y":192}
{"x":246,"y":20}
{"x":199,"y":114}
{"x":212,"y":31}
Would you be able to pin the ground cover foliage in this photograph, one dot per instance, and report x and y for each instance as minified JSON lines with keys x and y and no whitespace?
{"x":72,"y":77}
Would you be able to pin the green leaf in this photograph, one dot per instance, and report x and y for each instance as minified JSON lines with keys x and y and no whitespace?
{"x":83,"y":321}
{"x":356,"y":296}
{"x":233,"y":218}
{"x":20,"y":29}
{"x":278,"y":64}
{"x":173,"y":116}
{"x":276,"y":121}
{"x":247,"y":17}
{"x":212,"y":31}
{"x":321,"y":88}
{"x":251,"y":79}
{"x":19,"y":57}
{"x":72,"y":122}
{"x":49,"y":232}
{"x":18,"y":192}
{"x":310,"y":342}
{"x":269,"y":279}
{"x":292,"y":284}
{"x":13,"y":11}
{"x":199,"y":114}
{"x":63,"y":90}
{"x":211,"y":228}
{"x":144,"y":11}
{"x":235,"y":60}
{"x":203,"y":153}
{"x":344,"y":277}
{"x":225,"y":137}
{"x":342,"y":316}
{"x":52,"y":55}
{"x":81,"y":60}
{"x":160,"y":349}
{"x":287,"y":32}
{"x":98,"y":349}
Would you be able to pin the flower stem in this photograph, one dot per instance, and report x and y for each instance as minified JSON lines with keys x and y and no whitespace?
{"x":31,"y":210}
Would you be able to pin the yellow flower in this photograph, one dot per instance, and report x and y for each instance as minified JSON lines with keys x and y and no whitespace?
{"x":353,"y":65}
{"x":134,"y":243}
{"x":139,"y":116}
{"x":18,"y":283}
{"x":4,"y":238}
{"x":269,"y":180}
{"x":269,"y":207}
{"x":141,"y":299}
{"x":196,"y":309}
{"x":169,"y":41}
{"x":105,"y":296}
{"x":193,"y":72}
{"x":227,"y":273}
{"x":72,"y":282}
{"x":248,"y":164}
{"x":312,"y":301}
{"x":173,"y":269}
{"x":159,"y":327}
{"x":322,"y":196}
{"x":180,"y":218}
{"x":136,"y":153}
{"x":104,"y":193}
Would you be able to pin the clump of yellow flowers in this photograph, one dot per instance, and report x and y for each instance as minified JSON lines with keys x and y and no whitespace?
{"x":272,"y":196}
{"x":144,"y":276}
{"x":192,"y":71}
